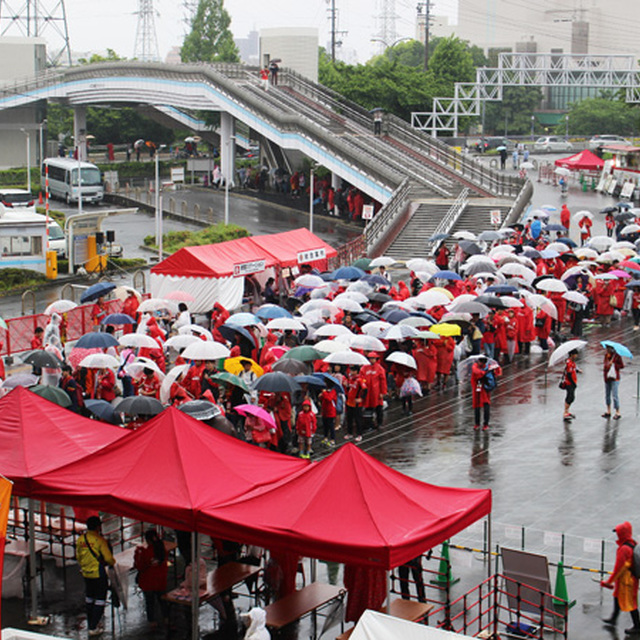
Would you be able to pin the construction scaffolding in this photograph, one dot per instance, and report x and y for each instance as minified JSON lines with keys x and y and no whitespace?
{"x":542,"y":70}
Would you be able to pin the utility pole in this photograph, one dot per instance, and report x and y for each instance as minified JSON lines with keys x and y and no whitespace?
{"x":426,"y":5}
{"x":334,"y":43}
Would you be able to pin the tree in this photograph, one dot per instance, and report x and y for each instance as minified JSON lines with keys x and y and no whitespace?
{"x":452,"y":62}
{"x":210,"y":39}
{"x":602,"y":115}
{"x":518,"y":105}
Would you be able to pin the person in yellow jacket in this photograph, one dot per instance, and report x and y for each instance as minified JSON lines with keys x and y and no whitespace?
{"x":93,"y":555}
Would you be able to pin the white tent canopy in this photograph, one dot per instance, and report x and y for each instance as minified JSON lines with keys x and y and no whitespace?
{"x":374,"y":625}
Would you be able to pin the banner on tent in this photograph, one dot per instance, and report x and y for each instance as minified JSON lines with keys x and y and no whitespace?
{"x":5,"y":503}
{"x":311,"y":255}
{"x":247,"y":268}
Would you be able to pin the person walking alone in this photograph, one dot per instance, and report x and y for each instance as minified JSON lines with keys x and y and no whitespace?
{"x":482,"y":384}
{"x":569,"y":383}
{"x":622,"y":580}
{"x":612,"y":366}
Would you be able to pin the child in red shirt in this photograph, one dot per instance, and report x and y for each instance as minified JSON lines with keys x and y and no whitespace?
{"x":306,"y":426}
{"x":328,"y":401}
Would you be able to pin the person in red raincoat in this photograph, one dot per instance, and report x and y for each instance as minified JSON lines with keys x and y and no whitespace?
{"x":130,"y":307}
{"x":148,"y":385}
{"x":192,"y":380}
{"x":526,"y":328}
{"x":481,"y":397}
{"x":560,"y":304}
{"x":376,"y":384}
{"x":622,"y":580}
{"x":585,"y":225}
{"x":106,"y":387}
{"x":569,"y":383}
{"x":499,"y":324}
{"x":602,"y":295}
{"x":306,"y":426}
{"x":425,"y":355}
{"x":610,"y":224}
{"x":565,"y":217}
{"x":445,"y":347}
{"x":98,"y":312}
{"x":150,"y":559}
{"x":543,"y":329}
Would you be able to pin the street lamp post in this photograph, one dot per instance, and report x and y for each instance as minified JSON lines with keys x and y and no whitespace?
{"x":311,"y":180}
{"x":42,"y":126}
{"x":533,"y":124}
{"x":228,"y":178}
{"x":158,"y":204}
{"x":566,"y":126}
{"x":26,"y":133}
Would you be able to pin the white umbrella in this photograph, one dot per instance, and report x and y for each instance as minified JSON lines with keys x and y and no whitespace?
{"x":181,"y":341}
{"x":623,"y":244}
{"x":285,"y":324}
{"x":318,"y":303}
{"x":382,"y":261}
{"x":309,"y":281}
{"x":610,"y":256}
{"x":600,"y":243}
{"x":364,"y":342}
{"x":361,"y":286}
{"x":575,"y":271}
{"x":122,"y":293}
{"x":606,"y":276}
{"x":416,"y":321}
{"x":208,"y":350}
{"x":375,"y":328}
{"x":430,"y":298}
{"x":420,"y":264}
{"x":397,"y":304}
{"x":400,"y":332}
{"x":349,"y":305}
{"x":526,"y":165}
{"x":136,"y":367}
{"x":519,"y":270}
{"x":60,"y":306}
{"x":170,"y":378}
{"x":328,"y":330}
{"x":465,"y":235}
{"x":630,"y":228}
{"x":463,"y":297}
{"x":536,"y":301}
{"x":501,"y":249}
{"x":427,"y":335}
{"x":452,"y":316}
{"x":551,"y":284}
{"x":562,"y":171}
{"x":157,"y":304}
{"x":100,"y":361}
{"x":575,"y":296}
{"x":561,"y":352}
{"x":511,"y":302}
{"x":195,"y":328}
{"x":586,"y":253}
{"x":331,"y":346}
{"x":399,"y":357}
{"x":358,"y":296}
{"x":138,"y":340}
{"x":582,"y":214}
{"x":560,"y":247}
{"x":346,"y":357}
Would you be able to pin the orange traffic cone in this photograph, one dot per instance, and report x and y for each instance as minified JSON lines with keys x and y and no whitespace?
{"x":40,"y":199}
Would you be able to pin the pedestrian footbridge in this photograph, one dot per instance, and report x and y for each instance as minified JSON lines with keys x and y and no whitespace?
{"x":408,"y":172}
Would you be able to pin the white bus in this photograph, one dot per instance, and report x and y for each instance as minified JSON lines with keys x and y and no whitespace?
{"x":23,"y":240}
{"x":63,"y":180}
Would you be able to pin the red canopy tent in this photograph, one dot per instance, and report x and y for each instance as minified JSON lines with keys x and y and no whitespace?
{"x":583,"y":161}
{"x":165,"y":471}
{"x":348,"y":508}
{"x":37,"y":436}
{"x":299,"y":246}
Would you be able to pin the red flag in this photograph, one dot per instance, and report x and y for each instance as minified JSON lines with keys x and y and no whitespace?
{"x":5,"y":501}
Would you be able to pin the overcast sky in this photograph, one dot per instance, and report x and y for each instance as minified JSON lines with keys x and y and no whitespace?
{"x":95,"y":25}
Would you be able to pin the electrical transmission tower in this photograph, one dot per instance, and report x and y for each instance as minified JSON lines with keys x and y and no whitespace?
{"x":387,"y":34}
{"x":146,"y":48}
{"x":38,"y":19}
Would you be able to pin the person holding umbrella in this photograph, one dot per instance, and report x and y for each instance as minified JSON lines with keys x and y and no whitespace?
{"x":569,"y":383}
{"x":482,"y":385}
{"x":612,"y":366}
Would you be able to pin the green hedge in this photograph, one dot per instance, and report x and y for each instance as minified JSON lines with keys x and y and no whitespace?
{"x":220,"y":232}
{"x":20,"y":279}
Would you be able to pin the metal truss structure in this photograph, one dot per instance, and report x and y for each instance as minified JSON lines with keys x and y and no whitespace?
{"x":615,"y":72}
{"x":146,"y":47}
{"x":39,"y":19}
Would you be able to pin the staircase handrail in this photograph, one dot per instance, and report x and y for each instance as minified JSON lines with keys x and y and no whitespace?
{"x":519,"y":205}
{"x":455,"y":211}
{"x":388,"y":214}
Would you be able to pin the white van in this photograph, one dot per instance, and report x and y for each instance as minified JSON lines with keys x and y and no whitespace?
{"x":16,"y":201}
{"x":57,"y":239}
{"x":63,"y":180}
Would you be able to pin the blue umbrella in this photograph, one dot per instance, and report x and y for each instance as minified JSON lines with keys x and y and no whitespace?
{"x":620,"y":349}
{"x":438,"y":236}
{"x":375,"y":279}
{"x":445,"y":275}
{"x":634,"y":284}
{"x":395,"y":315}
{"x":623,"y":205}
{"x":272,"y":311}
{"x":229,"y":331}
{"x":96,"y":291}
{"x":568,"y":241}
{"x":554,"y":227}
{"x":329,"y":378}
{"x":117,"y":318}
{"x":97,"y":341}
{"x":422,"y":314}
{"x":547,"y":254}
{"x":348,"y":273}
{"x":243,"y":319}
{"x":501,"y":289}
{"x":312,"y":380}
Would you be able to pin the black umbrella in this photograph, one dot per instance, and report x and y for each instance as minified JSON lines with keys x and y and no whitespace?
{"x":290,"y":367}
{"x":201,"y":409}
{"x":139,"y":406}
{"x":491,"y":301}
{"x":366,"y":316}
{"x":568,"y":241}
{"x":470,"y":248}
{"x":97,"y":340}
{"x":96,"y":291}
{"x":229,"y":332}
{"x":609,"y":210}
{"x":395,"y":315}
{"x":101,"y":409}
{"x":623,"y":216}
{"x":276,"y":382}
{"x":40,"y":358}
{"x":377,"y":296}
{"x":53,"y":394}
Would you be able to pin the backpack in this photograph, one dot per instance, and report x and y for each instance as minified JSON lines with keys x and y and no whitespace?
{"x":635,"y":561}
{"x":489,"y":381}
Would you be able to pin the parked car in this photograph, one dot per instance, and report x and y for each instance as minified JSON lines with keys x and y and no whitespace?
{"x":549,"y":144}
{"x":597,"y":142}
{"x":16,"y":200}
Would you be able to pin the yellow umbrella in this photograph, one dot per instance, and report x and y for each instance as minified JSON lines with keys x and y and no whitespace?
{"x":446,"y":329}
{"x":234,"y":365}
{"x":443,"y":290}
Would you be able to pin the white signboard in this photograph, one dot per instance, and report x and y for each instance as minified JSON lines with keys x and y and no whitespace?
{"x":80,"y":250}
{"x":367,"y":212}
{"x":496,"y":217}
{"x":177,"y":174}
{"x":247,"y":268}
{"x":311,"y":255}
